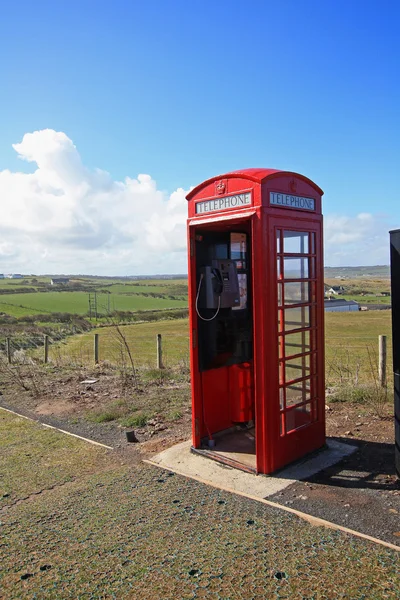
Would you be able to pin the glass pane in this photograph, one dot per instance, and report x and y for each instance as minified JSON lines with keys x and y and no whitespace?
{"x":296,"y":343}
{"x":279,"y":294}
{"x":296,"y":368}
{"x":298,"y":417}
{"x":295,"y":268}
{"x":297,"y":293}
{"x":296,"y":318}
{"x":278,"y":268}
{"x":295,"y":242}
{"x":281,"y":399}
{"x":298,"y":393}
{"x":278,"y":241}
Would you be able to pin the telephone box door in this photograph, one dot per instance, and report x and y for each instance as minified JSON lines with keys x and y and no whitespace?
{"x":298,"y":386}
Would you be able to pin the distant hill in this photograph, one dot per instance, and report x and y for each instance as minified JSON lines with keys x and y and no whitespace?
{"x":377,"y":272}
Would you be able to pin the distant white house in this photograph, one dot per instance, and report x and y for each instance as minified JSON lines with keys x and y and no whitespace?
{"x":335,"y":290}
{"x":59,"y":281}
{"x":14,"y":276}
{"x":340,"y":305}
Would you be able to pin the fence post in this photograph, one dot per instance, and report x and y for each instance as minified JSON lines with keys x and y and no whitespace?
{"x":159,"y":352}
{"x":382,"y":361}
{"x":46,"y":348}
{"x":8,"y":350}
{"x":96,"y":348}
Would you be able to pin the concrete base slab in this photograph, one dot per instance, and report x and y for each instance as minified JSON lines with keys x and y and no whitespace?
{"x":181,"y":460}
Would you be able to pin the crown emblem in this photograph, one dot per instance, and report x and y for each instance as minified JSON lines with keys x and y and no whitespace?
{"x":293,"y":185}
{"x":220,"y":187}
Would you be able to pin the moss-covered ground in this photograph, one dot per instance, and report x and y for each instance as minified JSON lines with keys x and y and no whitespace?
{"x":80,"y":522}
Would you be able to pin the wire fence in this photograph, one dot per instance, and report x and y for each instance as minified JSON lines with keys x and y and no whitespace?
{"x":119,"y":349}
{"x":127,"y":347}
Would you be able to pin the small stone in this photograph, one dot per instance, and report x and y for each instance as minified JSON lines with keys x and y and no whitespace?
{"x":348,"y":433}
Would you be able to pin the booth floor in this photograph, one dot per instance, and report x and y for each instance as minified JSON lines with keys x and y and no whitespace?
{"x":236,"y":449}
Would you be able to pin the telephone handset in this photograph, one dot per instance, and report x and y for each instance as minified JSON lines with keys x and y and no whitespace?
{"x":217,"y":281}
{"x":218,"y":287}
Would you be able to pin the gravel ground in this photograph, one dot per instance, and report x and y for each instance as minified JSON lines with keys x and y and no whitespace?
{"x":362,"y":492}
{"x":104,"y":433}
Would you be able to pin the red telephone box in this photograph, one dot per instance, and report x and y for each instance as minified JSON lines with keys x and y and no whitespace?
{"x":256,"y":308}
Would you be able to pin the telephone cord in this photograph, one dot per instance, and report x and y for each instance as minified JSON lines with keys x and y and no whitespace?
{"x":197,"y":301}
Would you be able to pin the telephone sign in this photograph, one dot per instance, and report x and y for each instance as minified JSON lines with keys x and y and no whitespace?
{"x":289,"y":201}
{"x":223,"y":203}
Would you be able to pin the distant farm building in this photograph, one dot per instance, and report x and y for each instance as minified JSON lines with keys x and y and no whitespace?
{"x":335,"y":290}
{"x":59,"y":281}
{"x":14,"y":276}
{"x":341,"y":305}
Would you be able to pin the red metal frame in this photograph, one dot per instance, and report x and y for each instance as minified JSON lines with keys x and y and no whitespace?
{"x":276,"y":444}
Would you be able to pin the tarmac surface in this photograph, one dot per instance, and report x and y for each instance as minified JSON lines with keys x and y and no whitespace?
{"x":361,"y":492}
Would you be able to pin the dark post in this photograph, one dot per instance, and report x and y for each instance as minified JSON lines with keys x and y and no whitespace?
{"x":395,"y":283}
{"x":8,"y":350}
{"x":96,"y":348}
{"x":46,"y":348}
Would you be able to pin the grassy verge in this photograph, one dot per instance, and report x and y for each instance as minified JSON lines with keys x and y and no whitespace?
{"x":35,"y":458}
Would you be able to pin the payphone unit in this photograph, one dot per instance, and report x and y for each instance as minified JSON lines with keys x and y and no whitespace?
{"x":224,"y":320}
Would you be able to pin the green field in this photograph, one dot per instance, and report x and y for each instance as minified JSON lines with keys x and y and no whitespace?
{"x":78,"y":303}
{"x":351,"y":342}
{"x":141,"y":338}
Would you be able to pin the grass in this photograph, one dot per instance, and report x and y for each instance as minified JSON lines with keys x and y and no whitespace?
{"x":103,"y":529}
{"x":78,"y":303}
{"x":139,"y":420}
{"x":56,"y":459}
{"x":141,"y":338}
{"x":351,"y":342}
{"x":348,"y":337}
{"x":121,"y":295}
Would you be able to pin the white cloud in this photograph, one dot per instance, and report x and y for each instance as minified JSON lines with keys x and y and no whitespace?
{"x":65,"y":218}
{"x":354,"y":241}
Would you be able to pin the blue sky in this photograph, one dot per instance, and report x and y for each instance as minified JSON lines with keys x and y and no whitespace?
{"x":186,"y":90}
